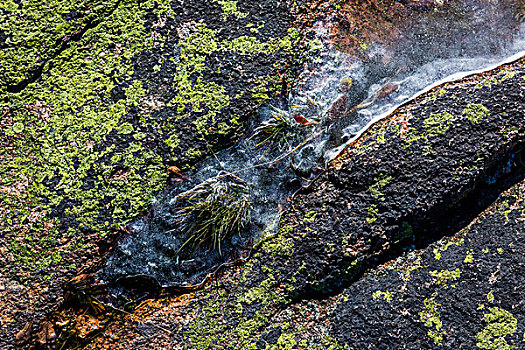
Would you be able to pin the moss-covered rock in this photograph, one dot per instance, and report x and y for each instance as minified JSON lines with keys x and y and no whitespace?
{"x":100,"y":99}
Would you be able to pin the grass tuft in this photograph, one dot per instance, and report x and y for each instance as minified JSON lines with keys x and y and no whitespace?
{"x":214,"y":211}
{"x":276,"y":129}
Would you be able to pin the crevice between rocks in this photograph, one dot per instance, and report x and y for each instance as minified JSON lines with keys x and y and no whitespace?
{"x":445,"y":219}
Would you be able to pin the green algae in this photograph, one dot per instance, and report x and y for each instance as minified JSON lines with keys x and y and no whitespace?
{"x":262,"y":297}
{"x":434,"y":125}
{"x":286,"y":341}
{"x":411,"y":268}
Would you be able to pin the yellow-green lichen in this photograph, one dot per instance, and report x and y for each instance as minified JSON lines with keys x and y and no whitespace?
{"x":229,"y":8}
{"x":475,"y":112}
{"x":379,"y":182}
{"x":61,"y":126}
{"x":36,"y":30}
{"x":469,"y":259}
{"x":65,"y":116}
{"x":490,"y":297}
{"x":286,"y":341}
{"x":500,"y":323}
{"x":443,"y":247}
{"x":310,"y":216}
{"x":444,"y":276}
{"x":432,"y":320}
{"x":372,"y":214}
{"x":386,"y":295}
{"x":437,"y":124}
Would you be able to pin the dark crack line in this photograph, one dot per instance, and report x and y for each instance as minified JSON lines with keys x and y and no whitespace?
{"x":448,"y":223}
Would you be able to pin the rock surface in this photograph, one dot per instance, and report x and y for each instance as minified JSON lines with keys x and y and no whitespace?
{"x":102,"y":98}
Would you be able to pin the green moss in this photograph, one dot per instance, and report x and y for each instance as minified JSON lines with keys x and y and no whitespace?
{"x":245,"y":45}
{"x":486,"y":82}
{"x":500,"y":323}
{"x":134,"y":92}
{"x":195,"y":94}
{"x":475,"y":112}
{"x":63,"y":125}
{"x":432,"y":320}
{"x":251,"y":45}
{"x":490,"y":297}
{"x":383,"y":295}
{"x":444,"y":276}
{"x":507,"y":76}
{"x":410,"y":136}
{"x":173,"y":141}
{"x":437,"y":124}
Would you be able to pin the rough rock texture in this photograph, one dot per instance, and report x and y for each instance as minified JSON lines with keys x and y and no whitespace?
{"x":460,"y":293}
{"x":100,"y":99}
{"x":463,"y":292}
{"x":424,"y":172}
